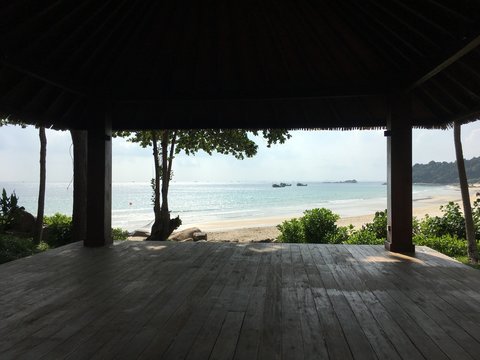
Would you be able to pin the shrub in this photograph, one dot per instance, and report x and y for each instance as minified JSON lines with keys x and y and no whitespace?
{"x":364,"y":237}
{"x":446,"y":244}
{"x":291,"y":231}
{"x":379,"y":225}
{"x":14,"y":247}
{"x":476,"y":218}
{"x":8,"y":207}
{"x":451,"y":223}
{"x":315,"y":226}
{"x":319,"y":226}
{"x":119,"y":234}
{"x":58,"y":231}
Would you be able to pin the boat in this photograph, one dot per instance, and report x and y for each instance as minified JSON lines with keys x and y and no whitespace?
{"x":300,"y":184}
{"x":284,"y":184}
{"x":276,"y":186}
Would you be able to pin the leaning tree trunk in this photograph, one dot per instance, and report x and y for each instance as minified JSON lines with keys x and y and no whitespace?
{"x":467,"y":208}
{"x":79,"y":214}
{"x":156,"y":231}
{"x":164,"y":212}
{"x":37,"y":237}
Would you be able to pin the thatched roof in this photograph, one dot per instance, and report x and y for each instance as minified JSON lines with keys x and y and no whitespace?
{"x":238,"y":63}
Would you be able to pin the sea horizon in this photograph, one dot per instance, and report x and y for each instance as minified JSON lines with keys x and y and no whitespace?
{"x":200,"y":202}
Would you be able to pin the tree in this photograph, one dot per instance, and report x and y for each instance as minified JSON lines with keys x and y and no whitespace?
{"x":467,"y":208}
{"x":37,"y":236}
{"x":166,"y":143}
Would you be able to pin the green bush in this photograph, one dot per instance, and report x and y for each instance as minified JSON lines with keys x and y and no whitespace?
{"x":319,"y":226}
{"x":14,"y":247}
{"x":379,"y":225}
{"x":58,"y":231}
{"x":364,"y":237}
{"x":291,"y":231}
{"x":315,"y":226}
{"x":119,"y":234}
{"x":451,"y":223}
{"x":446,"y":244}
{"x":476,"y":218}
{"x":8,"y":207}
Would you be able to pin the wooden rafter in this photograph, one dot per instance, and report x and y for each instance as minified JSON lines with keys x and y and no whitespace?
{"x":464,"y":50}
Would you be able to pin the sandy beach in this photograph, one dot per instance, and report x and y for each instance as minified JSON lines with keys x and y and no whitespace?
{"x":264,"y":228}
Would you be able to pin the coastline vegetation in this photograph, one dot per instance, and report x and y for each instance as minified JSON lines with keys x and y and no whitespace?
{"x":445,"y":233}
{"x":57,"y":231}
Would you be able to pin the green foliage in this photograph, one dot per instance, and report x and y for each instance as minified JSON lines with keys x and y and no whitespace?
{"x":447,"y":244}
{"x":476,"y":218}
{"x":451,"y":223}
{"x":14,"y":247}
{"x":8,"y":207}
{"x":119,"y":234}
{"x":319,"y":225}
{"x":379,"y":225}
{"x":234,"y":142}
{"x":291,"y":231}
{"x":445,"y":173}
{"x":58,"y":231}
{"x":315,"y":226}
{"x":364,"y":237}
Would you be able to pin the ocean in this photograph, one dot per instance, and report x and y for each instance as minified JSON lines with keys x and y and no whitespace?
{"x":197,"y":202}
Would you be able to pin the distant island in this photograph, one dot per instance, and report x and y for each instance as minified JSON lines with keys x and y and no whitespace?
{"x":445,"y":172}
{"x":353,"y":181}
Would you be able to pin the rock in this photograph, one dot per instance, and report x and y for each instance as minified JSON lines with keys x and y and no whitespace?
{"x":141,"y":233}
{"x":199,"y":235}
{"x":184,"y":234}
{"x":23,"y":222}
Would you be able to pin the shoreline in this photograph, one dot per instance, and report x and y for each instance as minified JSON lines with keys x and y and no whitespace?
{"x":264,"y":228}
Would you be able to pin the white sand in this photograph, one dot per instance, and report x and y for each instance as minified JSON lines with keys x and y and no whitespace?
{"x":264,"y":229}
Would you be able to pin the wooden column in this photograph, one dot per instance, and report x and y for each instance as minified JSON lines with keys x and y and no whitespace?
{"x":99,"y":180}
{"x":399,"y":175}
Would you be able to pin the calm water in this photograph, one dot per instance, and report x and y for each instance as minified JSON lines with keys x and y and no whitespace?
{"x":203,"y":202}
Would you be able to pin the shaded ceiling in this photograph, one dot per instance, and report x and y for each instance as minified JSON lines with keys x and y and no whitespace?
{"x":238,"y":63}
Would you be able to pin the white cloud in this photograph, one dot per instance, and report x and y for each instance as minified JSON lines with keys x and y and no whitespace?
{"x":308,"y":155}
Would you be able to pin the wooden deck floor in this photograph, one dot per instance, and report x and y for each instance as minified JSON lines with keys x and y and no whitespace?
{"x":223,"y":301}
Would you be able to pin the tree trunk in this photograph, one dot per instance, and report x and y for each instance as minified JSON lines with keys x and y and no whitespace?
{"x":156,"y":231}
{"x":467,"y":208}
{"x":163,"y":226}
{"x":37,"y":237}
{"x":79,"y":214}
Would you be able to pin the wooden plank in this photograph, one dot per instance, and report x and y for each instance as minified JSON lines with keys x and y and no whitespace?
{"x":449,"y":346}
{"x":190,"y":300}
{"x":270,"y":346}
{"x":291,"y":329}
{"x":224,"y":348}
{"x":373,"y":331}
{"x":353,"y":333}
{"x":394,"y":312}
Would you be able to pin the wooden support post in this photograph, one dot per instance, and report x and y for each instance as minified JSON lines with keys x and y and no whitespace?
{"x":399,"y":175}
{"x":99,"y":180}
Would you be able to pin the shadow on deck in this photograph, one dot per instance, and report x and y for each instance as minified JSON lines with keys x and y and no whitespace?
{"x":223,"y":301}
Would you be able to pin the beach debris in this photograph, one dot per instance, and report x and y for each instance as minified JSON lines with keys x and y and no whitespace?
{"x":184,"y":234}
{"x":199,"y":235}
{"x":140,"y":233}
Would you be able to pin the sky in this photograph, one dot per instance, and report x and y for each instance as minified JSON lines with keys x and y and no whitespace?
{"x":307,"y":156}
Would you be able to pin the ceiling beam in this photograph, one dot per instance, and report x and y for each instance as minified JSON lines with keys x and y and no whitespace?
{"x":41,"y":76}
{"x":471,"y":45}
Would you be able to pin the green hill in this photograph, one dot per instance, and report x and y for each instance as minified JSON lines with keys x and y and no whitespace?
{"x":445,"y":172}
